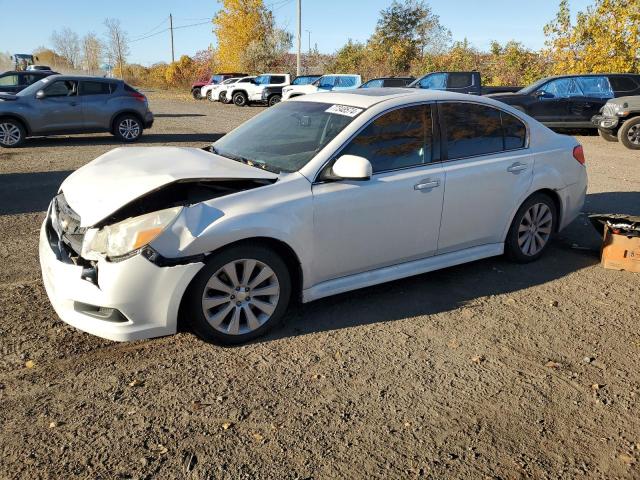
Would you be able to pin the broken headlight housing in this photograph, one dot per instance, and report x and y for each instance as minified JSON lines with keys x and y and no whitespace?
{"x":128,"y":236}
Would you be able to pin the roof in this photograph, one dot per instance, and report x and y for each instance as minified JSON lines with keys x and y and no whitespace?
{"x":81,"y":77}
{"x":367,"y":97}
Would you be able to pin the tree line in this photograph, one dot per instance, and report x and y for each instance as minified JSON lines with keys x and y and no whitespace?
{"x":408,"y":39}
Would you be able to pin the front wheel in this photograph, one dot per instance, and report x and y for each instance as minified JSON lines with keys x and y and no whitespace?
{"x":210,"y":96}
{"x":531,"y":229}
{"x":240,"y":294}
{"x":274,"y":99}
{"x":607,"y":136}
{"x":12,"y":133}
{"x":128,"y":128}
{"x":239,"y":99}
{"x":196,"y":94}
{"x":629,"y":133}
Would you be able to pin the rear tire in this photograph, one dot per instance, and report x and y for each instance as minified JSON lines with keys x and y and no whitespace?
{"x":531,"y":229}
{"x":274,"y":99}
{"x":239,"y":99}
{"x":249,"y":301}
{"x":629,"y":133}
{"x":210,"y":96}
{"x":196,"y":94}
{"x":607,"y":136}
{"x":12,"y":133}
{"x":128,"y":128}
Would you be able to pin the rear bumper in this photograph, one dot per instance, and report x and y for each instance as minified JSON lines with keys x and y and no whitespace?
{"x":148,"y":120}
{"x":132,"y":299}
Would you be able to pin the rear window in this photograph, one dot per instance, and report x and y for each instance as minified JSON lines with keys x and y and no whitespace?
{"x":460,"y":80}
{"x":515,"y":132}
{"x":277,"y":79}
{"x":623,"y":84}
{"x":129,"y":88}
{"x":95,"y":88}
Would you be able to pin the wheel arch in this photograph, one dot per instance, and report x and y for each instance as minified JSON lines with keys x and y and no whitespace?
{"x":552,"y":194}
{"x":18,"y":118}
{"x":115,"y":116}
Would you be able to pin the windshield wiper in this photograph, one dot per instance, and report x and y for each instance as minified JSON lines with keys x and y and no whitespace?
{"x":246,"y":161}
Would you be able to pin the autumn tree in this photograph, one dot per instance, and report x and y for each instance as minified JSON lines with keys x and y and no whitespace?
{"x":237,"y":24}
{"x":512,"y":64}
{"x":605,"y":38}
{"x":267,"y":52}
{"x":46,"y":56}
{"x":66,"y":43}
{"x":92,"y":50}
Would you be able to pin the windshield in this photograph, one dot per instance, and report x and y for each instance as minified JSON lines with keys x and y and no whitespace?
{"x":534,"y":86}
{"x":216,"y":79}
{"x":286,"y":137}
{"x":306,"y":80}
{"x":34,"y":87}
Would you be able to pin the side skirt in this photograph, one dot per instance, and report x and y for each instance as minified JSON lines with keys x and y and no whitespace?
{"x":403,"y":270}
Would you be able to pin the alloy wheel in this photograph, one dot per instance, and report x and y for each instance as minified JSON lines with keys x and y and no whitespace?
{"x":535,"y":229}
{"x":9,"y":134}
{"x":129,"y":129}
{"x":241,"y":296}
{"x":633,"y":134}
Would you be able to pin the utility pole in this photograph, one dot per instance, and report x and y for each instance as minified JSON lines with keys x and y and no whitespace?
{"x":173,"y":57}
{"x":299,"y":64}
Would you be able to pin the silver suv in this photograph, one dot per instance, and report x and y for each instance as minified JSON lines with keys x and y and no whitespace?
{"x":62,"y":104}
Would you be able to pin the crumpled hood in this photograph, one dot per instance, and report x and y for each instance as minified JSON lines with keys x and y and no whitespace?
{"x":122,"y":175}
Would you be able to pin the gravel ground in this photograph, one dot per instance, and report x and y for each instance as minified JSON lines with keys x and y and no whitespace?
{"x":487,"y":370}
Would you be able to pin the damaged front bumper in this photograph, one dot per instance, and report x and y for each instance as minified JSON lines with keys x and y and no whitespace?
{"x":605,"y":122}
{"x":128,"y":300}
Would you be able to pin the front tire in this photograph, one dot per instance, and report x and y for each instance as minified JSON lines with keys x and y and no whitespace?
{"x":239,"y":99}
{"x":128,"y":128}
{"x":629,"y":133}
{"x":531,"y":229}
{"x":12,"y":133}
{"x":607,"y":136}
{"x":196,"y":94}
{"x":210,"y":96}
{"x":241,"y":293}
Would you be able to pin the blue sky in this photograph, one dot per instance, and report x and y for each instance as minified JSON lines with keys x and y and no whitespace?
{"x":332,"y":22}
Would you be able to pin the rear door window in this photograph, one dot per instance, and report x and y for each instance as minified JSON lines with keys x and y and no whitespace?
{"x":460,"y":80}
{"x":398,"y":139}
{"x":622,"y":84}
{"x":346,"y":82}
{"x":597,"y":87}
{"x":94,"y":88}
{"x":515,"y":132}
{"x":9,"y":80}
{"x":471,"y":129}
{"x":276,"y":79}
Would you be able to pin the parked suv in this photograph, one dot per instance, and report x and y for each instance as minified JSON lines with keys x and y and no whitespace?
{"x":225,"y":94}
{"x":13,"y":81}
{"x":62,"y":104}
{"x":619,"y":120}
{"x":273,"y":95}
{"x":212,"y":91}
{"x":251,"y":92}
{"x":459,"y":82}
{"x":570,"y":101}
{"x":196,"y":87}
{"x":326,"y":83}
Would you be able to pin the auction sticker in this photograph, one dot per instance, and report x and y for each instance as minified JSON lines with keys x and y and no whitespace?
{"x":344,"y":110}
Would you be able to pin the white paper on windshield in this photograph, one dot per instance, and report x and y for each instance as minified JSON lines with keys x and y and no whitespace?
{"x":344,"y":110}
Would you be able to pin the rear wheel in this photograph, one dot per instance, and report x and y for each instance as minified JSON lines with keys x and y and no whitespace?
{"x":239,"y":99}
{"x":196,"y":94}
{"x":609,"y":137}
{"x":210,"y":96}
{"x":128,"y":128}
{"x":531,"y":229}
{"x":12,"y":133}
{"x":242,"y":293}
{"x":274,"y":99}
{"x":629,"y":133}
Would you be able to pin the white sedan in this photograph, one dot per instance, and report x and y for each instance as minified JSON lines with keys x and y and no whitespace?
{"x":316,"y":196}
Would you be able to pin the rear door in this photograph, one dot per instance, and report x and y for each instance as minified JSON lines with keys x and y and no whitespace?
{"x":60,"y":110}
{"x":488,"y":169}
{"x":96,"y":96}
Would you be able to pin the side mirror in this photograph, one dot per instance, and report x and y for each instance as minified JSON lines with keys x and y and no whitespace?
{"x":40,"y":94}
{"x":352,"y":167}
{"x":540,"y":94}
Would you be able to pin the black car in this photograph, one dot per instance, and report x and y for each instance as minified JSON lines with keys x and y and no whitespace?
{"x":570,"y":101}
{"x":273,"y":95}
{"x":14,"y":81}
{"x":387,"y":82}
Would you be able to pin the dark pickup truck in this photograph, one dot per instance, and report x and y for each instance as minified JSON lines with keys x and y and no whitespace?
{"x":460,"y":82}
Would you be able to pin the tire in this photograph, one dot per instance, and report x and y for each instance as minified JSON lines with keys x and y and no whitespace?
{"x":196,"y":94}
{"x":234,"y":315}
{"x":128,"y":128}
{"x":222,"y":97}
{"x":240,"y":99}
{"x":210,"y":96}
{"x":12,"y":133}
{"x":629,"y":133}
{"x":607,"y":136}
{"x":524,"y":246}
{"x":274,"y":99}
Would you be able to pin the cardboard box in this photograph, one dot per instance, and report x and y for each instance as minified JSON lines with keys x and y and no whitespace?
{"x":620,"y":252}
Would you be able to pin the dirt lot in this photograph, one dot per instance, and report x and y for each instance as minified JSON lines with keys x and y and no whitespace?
{"x":488,"y":370}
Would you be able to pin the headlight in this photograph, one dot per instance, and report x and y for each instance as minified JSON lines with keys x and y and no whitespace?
{"x":127,"y":236}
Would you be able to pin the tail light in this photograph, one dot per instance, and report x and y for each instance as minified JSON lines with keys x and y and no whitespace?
{"x":138,"y":96}
{"x":578,"y":154}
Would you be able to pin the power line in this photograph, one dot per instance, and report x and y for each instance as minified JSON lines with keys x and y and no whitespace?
{"x":167,"y":29}
{"x":153,"y":29}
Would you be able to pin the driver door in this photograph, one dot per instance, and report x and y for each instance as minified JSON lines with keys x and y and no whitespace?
{"x":393,"y":217}
{"x":60,"y":110}
{"x":551,"y":104}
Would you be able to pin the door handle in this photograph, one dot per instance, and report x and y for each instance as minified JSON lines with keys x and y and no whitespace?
{"x":517,"y":167}
{"x":427,"y":184}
